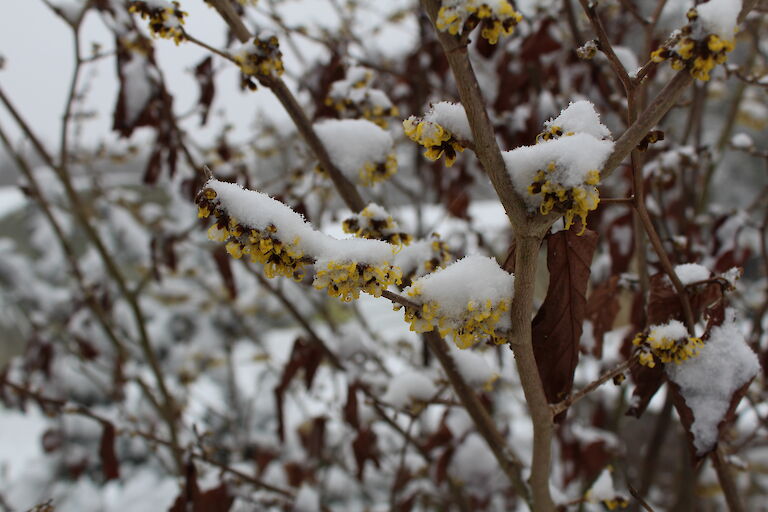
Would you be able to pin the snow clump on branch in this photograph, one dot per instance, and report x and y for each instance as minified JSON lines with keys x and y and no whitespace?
{"x":708,"y":383}
{"x":705,"y":41}
{"x":359,"y":148}
{"x":460,"y":17}
{"x":271,"y":233}
{"x":355,"y":97}
{"x":166,"y":19}
{"x":562,"y":170}
{"x":467,"y":300}
{"x":667,"y":343}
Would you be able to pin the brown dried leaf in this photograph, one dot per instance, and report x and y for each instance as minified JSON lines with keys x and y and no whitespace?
{"x":558,"y":323}
{"x":312,"y":436}
{"x":602,"y":308}
{"x":365,"y":449}
{"x":205,"y":79}
{"x":222,"y":261}
{"x":647,"y":383}
{"x":687,"y":417}
{"x":305,"y":355}
{"x":110,"y":466}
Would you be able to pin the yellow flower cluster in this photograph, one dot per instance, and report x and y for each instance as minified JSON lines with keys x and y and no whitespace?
{"x":572,"y":201}
{"x":373,"y":172}
{"x":437,"y":139}
{"x":261,"y":56}
{"x":477,"y":321}
{"x":280,"y":258}
{"x":553,"y":132}
{"x":355,"y":98}
{"x":700,"y":56}
{"x":346,"y":279}
{"x":462,"y":16}
{"x":376,"y":224}
{"x":666,"y":349}
{"x":165,"y":18}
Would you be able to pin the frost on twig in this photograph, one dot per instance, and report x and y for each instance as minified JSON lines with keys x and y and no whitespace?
{"x":561,"y":171}
{"x":466,"y":300}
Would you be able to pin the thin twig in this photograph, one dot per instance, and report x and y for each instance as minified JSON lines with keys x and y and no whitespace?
{"x":575,"y":397}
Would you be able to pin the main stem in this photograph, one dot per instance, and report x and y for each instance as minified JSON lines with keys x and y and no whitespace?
{"x":526,"y":253}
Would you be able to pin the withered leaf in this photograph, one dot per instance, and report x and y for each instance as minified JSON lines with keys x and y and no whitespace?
{"x":664,"y":303}
{"x":110,"y":466}
{"x":365,"y":449}
{"x":558,"y":323}
{"x":602,"y":308}
{"x":304,"y":355}
{"x":222,"y":261}
{"x":647,"y":383}
{"x":687,"y":417}
{"x":206,"y":82}
{"x":312,"y":436}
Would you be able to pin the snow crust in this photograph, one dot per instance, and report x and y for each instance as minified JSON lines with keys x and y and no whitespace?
{"x":719,"y":17}
{"x":408,"y":387}
{"x":708,"y":381}
{"x":351,"y":143}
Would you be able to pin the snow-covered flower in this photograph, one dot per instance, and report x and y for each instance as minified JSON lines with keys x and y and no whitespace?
{"x":705,"y":41}
{"x":443,"y":130}
{"x":375,"y":223}
{"x":165,"y":18}
{"x":466,"y":300}
{"x":354,"y":97}
{"x":260,"y":56}
{"x":561,"y":171}
{"x":668,"y":343}
{"x":358,"y":147}
{"x":496,"y":17}
{"x":346,"y":279}
{"x":256,"y":225}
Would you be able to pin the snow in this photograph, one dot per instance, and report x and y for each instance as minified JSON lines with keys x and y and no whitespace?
{"x":307,"y":500}
{"x":11,"y":199}
{"x":602,"y":489}
{"x":140,"y":85}
{"x":473,"y":463}
{"x":574,"y":157}
{"x":742,"y":141}
{"x":719,"y":17}
{"x":672,"y":330}
{"x":474,"y":367}
{"x":691,"y":273}
{"x":452,"y":117}
{"x":257,"y":210}
{"x":471,"y":279}
{"x":580,"y":117}
{"x":352,"y":143}
{"x":708,"y":381}
{"x":408,"y":387}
